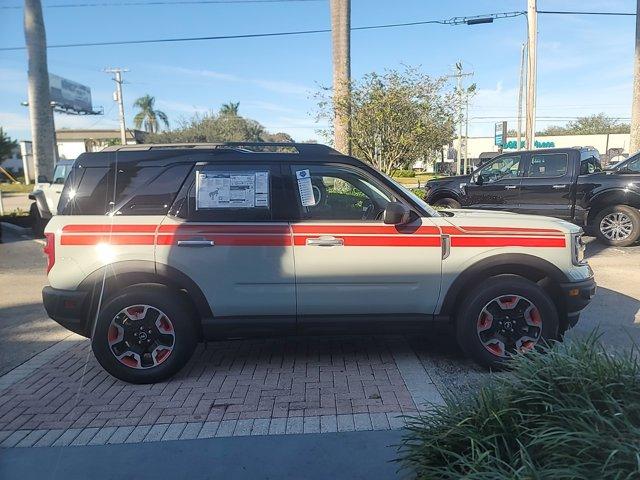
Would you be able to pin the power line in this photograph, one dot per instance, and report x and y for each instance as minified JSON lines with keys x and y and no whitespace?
{"x":562,"y":12}
{"x":160,"y":2}
{"x":451,"y":21}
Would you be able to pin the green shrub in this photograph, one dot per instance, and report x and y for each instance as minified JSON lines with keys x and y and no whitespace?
{"x":404,"y":173}
{"x":419,"y":192}
{"x":573,"y":413}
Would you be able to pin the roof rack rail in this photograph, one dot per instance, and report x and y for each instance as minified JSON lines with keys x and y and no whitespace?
{"x":302,"y":148}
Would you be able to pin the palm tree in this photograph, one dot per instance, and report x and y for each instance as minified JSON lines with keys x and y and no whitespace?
{"x":341,"y":49}
{"x":230,"y":108}
{"x":42,"y":129}
{"x":148,"y":116}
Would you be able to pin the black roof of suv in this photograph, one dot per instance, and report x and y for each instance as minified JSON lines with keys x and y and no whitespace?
{"x":164,"y":154}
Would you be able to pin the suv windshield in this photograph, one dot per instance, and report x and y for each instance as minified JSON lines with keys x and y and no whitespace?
{"x":60,"y":173}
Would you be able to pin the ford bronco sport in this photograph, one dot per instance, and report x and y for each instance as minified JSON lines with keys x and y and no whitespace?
{"x":156,"y":247}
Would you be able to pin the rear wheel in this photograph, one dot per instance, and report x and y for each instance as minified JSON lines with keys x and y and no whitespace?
{"x":144,"y":335}
{"x":504,"y":316}
{"x":446,"y":203}
{"x":618,"y":225}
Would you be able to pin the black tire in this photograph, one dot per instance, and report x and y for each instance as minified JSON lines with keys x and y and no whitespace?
{"x":38,"y":223}
{"x":184,"y":332}
{"x":446,"y":203}
{"x":469,"y":316}
{"x":631,"y":218}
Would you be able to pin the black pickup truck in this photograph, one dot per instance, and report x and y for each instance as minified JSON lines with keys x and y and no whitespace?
{"x":567,"y":183}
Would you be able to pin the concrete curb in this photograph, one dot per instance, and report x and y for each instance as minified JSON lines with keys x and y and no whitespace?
{"x":183,"y":431}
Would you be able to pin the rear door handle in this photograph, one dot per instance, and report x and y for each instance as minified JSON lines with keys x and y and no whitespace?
{"x":558,"y":187}
{"x":325,"y":241}
{"x":196,"y":243}
{"x":510,"y":187}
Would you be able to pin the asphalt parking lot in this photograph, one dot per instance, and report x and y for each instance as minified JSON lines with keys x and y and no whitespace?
{"x":53,"y":393}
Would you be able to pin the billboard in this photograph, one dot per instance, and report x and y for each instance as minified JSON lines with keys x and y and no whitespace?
{"x":69,"y":95}
{"x":500,"y":136}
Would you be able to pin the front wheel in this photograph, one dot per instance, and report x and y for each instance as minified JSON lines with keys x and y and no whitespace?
{"x":504,"y":316}
{"x":618,"y":225}
{"x":445,"y":203}
{"x":146,"y":334}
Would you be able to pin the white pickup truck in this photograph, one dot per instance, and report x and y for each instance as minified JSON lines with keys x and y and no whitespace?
{"x":156,"y":247}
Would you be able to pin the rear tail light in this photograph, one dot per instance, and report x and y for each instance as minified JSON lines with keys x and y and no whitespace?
{"x":50,"y":250}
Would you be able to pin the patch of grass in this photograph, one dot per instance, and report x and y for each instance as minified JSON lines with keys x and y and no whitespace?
{"x":423,"y":178}
{"x":15,"y":188}
{"x":572,"y":413}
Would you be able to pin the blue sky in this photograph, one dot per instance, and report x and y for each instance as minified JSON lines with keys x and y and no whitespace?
{"x":584,"y":63}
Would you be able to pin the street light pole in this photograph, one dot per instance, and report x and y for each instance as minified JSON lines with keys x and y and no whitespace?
{"x":635,"y":108}
{"x":532,"y":41}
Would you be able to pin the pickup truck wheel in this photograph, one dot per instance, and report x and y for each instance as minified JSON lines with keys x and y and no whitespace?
{"x":504,"y":316}
{"x":446,"y":203}
{"x":144,"y":335}
{"x":618,"y":225}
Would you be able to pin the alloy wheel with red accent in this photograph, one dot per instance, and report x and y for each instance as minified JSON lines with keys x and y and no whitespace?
{"x":141,"y":336}
{"x":509,"y":324}
{"x":505,"y":315}
{"x":145,"y":334}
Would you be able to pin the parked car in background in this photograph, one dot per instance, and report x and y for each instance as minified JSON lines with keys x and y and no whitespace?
{"x":566,"y":183}
{"x":176,"y":244}
{"x":46,"y":195}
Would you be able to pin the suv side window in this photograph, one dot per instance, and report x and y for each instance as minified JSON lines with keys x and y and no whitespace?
{"x":86,"y":192}
{"x":341,"y":193}
{"x":157,"y":194}
{"x":233,"y":193}
{"x":501,"y":168}
{"x":547,"y":165}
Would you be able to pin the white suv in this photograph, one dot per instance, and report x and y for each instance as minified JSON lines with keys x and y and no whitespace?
{"x":159,"y":246}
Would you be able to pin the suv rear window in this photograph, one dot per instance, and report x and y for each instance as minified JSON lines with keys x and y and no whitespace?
{"x":125,"y":191}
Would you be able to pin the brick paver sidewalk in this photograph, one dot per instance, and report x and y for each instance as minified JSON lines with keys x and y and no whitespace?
{"x":291,"y":385}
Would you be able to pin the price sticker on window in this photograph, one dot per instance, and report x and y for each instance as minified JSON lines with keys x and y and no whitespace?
{"x":305,"y":188}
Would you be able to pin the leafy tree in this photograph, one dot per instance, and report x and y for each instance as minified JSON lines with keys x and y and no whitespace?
{"x":396,"y":117}
{"x":148,"y":115}
{"x":218,"y":127}
{"x":589,"y":125}
{"x":7,"y":145}
{"x":230,"y":108}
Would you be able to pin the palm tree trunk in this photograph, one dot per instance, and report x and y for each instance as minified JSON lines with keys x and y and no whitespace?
{"x":341,"y":47}
{"x":42,"y":129}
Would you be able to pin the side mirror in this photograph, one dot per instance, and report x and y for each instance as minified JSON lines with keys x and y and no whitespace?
{"x":396,"y":213}
{"x":43,"y":179}
{"x":479,"y":179}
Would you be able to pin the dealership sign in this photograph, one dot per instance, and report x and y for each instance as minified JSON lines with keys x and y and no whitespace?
{"x":513,"y":144}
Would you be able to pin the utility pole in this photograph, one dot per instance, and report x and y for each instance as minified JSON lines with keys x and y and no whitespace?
{"x":458,"y":76}
{"x":532,"y":41}
{"x":117,"y":96}
{"x":466,"y":134}
{"x":635,"y":108}
{"x":40,"y":112}
{"x":341,"y":52}
{"x":520,"y":89}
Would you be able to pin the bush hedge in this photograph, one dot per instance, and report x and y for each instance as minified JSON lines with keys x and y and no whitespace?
{"x":572,"y":413}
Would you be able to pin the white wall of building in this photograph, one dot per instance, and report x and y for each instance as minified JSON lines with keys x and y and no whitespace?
{"x":602,"y":142}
